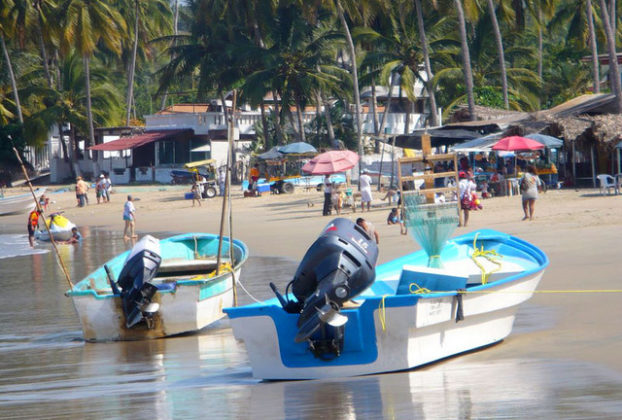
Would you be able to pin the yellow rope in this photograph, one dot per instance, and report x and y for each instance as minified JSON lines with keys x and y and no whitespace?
{"x":382,"y":314}
{"x":224,"y":268}
{"x":419,"y":290}
{"x":544,"y":291}
{"x":491,"y":255}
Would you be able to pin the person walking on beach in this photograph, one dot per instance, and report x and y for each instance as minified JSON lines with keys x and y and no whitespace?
{"x":129,"y":216}
{"x":369,"y":228}
{"x":107,"y":187}
{"x":33,"y":225}
{"x":328,"y":190}
{"x":196,"y":194}
{"x":466,"y":187}
{"x":365,"y":187}
{"x":82,"y":189}
{"x":99,"y":189}
{"x":529,"y":185}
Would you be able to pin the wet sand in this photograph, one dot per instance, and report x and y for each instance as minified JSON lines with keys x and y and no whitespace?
{"x":578,"y":230}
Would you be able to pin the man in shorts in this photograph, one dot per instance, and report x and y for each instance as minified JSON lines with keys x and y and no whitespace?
{"x":129,"y":216}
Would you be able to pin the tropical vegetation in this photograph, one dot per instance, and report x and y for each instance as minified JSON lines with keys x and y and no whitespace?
{"x":95,"y":63}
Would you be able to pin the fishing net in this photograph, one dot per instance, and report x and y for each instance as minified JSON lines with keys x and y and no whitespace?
{"x":430,"y":224}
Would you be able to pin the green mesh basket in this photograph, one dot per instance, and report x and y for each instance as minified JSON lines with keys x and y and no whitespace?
{"x":430,"y":225}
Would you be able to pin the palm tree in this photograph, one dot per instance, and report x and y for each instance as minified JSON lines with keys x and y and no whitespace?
{"x":85,"y":23}
{"x":423,"y":39}
{"x":613,"y":59}
{"x":151,"y":18}
{"x":69,"y":103}
{"x":466,"y":58}
{"x":8,"y":15}
{"x":499,"y":42}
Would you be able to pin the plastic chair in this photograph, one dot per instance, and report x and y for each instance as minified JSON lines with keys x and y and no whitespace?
{"x":606,"y":182}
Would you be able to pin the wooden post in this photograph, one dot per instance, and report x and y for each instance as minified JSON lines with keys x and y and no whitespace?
{"x":426,"y":149}
{"x":593,"y":166}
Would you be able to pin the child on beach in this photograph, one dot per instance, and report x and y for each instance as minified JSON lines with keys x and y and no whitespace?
{"x":196,"y":194}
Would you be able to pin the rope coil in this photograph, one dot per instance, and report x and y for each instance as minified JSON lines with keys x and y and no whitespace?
{"x":491,"y":255}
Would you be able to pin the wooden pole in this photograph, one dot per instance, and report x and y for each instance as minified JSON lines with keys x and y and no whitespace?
{"x":228,"y":181}
{"x":38,"y":207}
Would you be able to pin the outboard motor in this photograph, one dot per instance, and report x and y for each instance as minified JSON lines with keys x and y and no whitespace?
{"x":136,"y":292}
{"x":336,"y":268}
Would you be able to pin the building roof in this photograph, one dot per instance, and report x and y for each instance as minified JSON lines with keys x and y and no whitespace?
{"x":132,"y":142}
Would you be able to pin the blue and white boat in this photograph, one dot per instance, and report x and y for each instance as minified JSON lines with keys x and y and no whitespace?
{"x":159,"y":288}
{"x":408,"y":316}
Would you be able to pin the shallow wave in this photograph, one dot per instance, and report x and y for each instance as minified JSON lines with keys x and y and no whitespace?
{"x":16,"y":245}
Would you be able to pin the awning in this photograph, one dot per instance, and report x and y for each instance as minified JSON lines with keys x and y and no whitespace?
{"x":204,"y":148}
{"x":206,"y":162}
{"x":132,"y":142}
{"x":438,"y":137}
{"x":481,"y":144}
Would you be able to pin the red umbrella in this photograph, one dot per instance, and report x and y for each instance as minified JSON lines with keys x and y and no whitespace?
{"x":331,"y":162}
{"x":517,"y":143}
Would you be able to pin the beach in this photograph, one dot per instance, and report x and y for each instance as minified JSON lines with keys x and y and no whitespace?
{"x":564,"y":347}
{"x":578,"y":229}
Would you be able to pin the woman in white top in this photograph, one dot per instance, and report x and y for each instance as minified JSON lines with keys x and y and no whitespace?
{"x":465,"y":189}
{"x":365,"y":186}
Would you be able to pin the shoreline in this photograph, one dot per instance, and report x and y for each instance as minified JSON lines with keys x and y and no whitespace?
{"x":578,"y":230}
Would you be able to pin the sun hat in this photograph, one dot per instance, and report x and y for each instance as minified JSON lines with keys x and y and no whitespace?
{"x":101,"y":176}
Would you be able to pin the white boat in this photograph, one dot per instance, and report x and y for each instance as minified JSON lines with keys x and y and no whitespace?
{"x":158,"y":288}
{"x":409,"y":316}
{"x":59,"y":226}
{"x":21,"y":203}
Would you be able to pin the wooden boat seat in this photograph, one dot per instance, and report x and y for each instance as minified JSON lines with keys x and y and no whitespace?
{"x":176,"y":267}
{"x":434,"y":279}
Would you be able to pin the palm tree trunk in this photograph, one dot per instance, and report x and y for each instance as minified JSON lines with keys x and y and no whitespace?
{"x":130,"y":87}
{"x":593,"y":47}
{"x":9,"y":66}
{"x":374,"y":114}
{"x":466,"y":59}
{"x":613,"y":59}
{"x":61,"y":139}
{"x":175,"y":24}
{"x":89,"y":108}
{"x":329,"y":119}
{"x":374,"y":109}
{"x":264,"y":123}
{"x":540,"y":43}
{"x":499,"y":41}
{"x":355,"y":78}
{"x":427,"y":66}
{"x":385,"y":114}
{"x":44,"y":57}
{"x":301,"y":124}
{"x":277,"y":118}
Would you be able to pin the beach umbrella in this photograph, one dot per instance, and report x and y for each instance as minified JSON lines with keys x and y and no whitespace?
{"x":272,"y":154}
{"x":297,"y":148}
{"x":331,"y":162}
{"x":548,"y":141}
{"x":516,"y":144}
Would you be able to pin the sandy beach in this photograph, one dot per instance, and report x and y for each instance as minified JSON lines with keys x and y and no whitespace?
{"x":578,"y":230}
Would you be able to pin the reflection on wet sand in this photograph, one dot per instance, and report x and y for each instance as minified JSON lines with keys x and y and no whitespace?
{"x":451,"y":390}
{"x":46,"y":370}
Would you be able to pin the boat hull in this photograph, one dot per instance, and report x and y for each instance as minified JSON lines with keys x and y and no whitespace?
{"x":182,"y":311}
{"x":20,"y":203}
{"x":190,"y":295}
{"x":391,"y":331}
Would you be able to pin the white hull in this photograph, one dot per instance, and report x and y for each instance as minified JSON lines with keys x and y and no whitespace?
{"x":59,"y":234}
{"x":20,"y":203}
{"x":180,"y":311}
{"x":415,"y":335}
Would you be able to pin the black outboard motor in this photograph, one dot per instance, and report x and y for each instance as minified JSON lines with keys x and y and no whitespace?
{"x":136,"y":292}
{"x":336,"y":268}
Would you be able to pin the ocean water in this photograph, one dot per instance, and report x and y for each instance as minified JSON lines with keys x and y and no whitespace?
{"x":48,"y":371}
